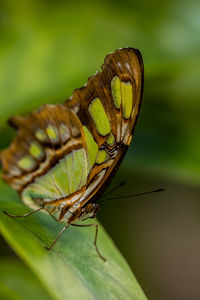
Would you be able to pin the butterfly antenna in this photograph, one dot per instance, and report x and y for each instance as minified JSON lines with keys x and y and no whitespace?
{"x":122,"y":183}
{"x":133,"y":195}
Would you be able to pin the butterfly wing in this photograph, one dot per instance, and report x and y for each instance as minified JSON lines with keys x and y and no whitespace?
{"x":47,"y":159}
{"x":69,"y":152}
{"x":108,"y":106}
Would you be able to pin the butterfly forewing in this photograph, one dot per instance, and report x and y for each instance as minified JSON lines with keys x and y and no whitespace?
{"x":65,"y":155}
{"x":117,"y":89}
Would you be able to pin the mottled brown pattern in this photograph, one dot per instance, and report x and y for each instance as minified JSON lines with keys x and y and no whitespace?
{"x":53,"y":151}
{"x":128,"y":66}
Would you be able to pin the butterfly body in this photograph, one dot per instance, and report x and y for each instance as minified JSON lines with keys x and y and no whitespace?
{"x":65,"y":155}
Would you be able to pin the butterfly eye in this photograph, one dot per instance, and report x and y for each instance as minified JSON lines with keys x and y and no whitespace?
{"x":97,"y":208}
{"x":89,"y":208}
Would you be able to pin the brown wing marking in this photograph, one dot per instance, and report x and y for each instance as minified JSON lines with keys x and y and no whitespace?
{"x":127,"y":65}
{"x":65,"y":134}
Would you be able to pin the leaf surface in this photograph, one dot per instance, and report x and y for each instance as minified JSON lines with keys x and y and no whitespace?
{"x":72,"y":269}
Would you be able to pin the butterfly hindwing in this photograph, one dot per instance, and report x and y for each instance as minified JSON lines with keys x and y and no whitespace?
{"x":48,"y":143}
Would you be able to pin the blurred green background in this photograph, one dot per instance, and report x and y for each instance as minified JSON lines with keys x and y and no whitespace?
{"x":49,"y":48}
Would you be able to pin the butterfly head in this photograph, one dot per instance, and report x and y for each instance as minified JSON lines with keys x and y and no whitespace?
{"x":89,"y":211}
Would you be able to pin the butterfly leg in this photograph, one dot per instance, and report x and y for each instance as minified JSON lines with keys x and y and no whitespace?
{"x":61,"y":232}
{"x":95,"y":238}
{"x":50,"y":214}
{"x":24,"y":215}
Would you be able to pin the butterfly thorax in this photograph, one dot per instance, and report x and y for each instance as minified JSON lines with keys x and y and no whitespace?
{"x":72,"y":208}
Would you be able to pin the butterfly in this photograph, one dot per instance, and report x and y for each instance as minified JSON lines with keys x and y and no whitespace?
{"x":65,"y":155}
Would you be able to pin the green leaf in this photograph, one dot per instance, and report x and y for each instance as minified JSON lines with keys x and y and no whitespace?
{"x":18,"y":282}
{"x":72,"y":269}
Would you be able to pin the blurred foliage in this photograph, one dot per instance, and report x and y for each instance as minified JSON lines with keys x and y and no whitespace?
{"x":18,"y":283}
{"x":48,"y":48}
